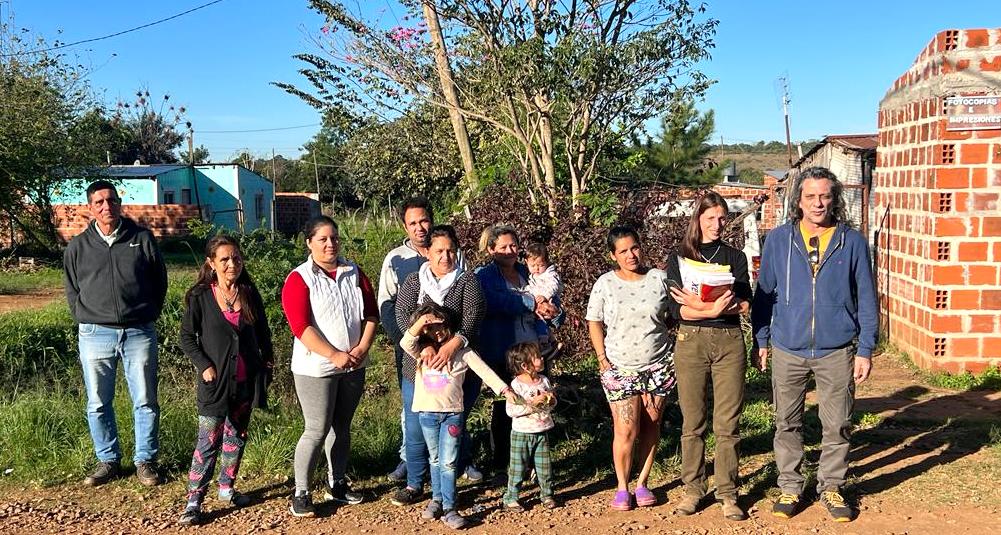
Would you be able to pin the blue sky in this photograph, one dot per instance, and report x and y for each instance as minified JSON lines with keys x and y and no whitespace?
{"x":839,"y":57}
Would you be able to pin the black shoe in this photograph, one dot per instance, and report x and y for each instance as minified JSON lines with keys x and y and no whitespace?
{"x":341,"y":492}
{"x":147,"y":474}
{"x":103,"y":473}
{"x":405,"y":496}
{"x":836,"y":505}
{"x":786,"y":506}
{"x":190,"y":517}
{"x":302,"y":506}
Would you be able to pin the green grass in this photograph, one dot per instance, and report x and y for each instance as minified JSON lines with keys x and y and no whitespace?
{"x":15,"y":282}
{"x":44,"y":439}
{"x":36,"y":344}
{"x":989,"y":379}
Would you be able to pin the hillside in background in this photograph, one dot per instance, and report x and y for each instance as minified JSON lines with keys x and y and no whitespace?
{"x":753,"y":159}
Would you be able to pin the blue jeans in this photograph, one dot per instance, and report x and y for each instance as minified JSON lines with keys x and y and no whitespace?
{"x":417,"y":453}
{"x":471,"y":386}
{"x":101,"y":348}
{"x":403,"y":411}
{"x":443,"y":433}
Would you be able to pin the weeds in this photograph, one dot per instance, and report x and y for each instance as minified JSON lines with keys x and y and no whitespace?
{"x":989,"y":379}
{"x":15,"y":282}
{"x":866,"y":420}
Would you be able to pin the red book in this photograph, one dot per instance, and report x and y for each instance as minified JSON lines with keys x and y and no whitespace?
{"x":709,"y":293}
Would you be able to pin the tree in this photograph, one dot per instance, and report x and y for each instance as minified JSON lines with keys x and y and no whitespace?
{"x":448,"y":91}
{"x":682,"y":153}
{"x":201,"y":155}
{"x":50,"y":129}
{"x":150,"y":125}
{"x":412,"y":154}
{"x":561,"y":80}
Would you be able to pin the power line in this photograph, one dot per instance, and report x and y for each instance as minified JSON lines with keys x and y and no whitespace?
{"x":258,"y":129}
{"x":130,"y":30}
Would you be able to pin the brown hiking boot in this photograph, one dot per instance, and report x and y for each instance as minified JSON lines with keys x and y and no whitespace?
{"x":147,"y":474}
{"x":103,"y":473}
{"x":731,"y":510}
{"x":688,"y":505}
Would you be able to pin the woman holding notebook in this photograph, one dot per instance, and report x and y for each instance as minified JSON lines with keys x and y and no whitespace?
{"x":711,"y":289}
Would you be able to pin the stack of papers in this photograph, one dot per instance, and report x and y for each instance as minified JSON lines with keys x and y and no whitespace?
{"x":708,"y":281}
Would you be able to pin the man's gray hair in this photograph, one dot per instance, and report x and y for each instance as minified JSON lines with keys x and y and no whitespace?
{"x":839,"y":213}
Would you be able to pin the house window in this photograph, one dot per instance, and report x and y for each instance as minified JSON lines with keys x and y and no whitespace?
{"x":168,"y":197}
{"x":185,"y":196}
{"x":259,"y":207}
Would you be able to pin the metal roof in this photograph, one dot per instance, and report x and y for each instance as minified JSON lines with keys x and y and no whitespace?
{"x":856,"y":142}
{"x":140,"y":171}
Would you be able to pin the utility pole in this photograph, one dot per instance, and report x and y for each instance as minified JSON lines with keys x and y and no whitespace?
{"x":191,"y":146}
{"x":274,"y":177}
{"x":316,"y":173}
{"x":785,"y":112}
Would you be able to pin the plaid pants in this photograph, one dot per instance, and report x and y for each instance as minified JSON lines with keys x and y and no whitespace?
{"x":529,"y":450}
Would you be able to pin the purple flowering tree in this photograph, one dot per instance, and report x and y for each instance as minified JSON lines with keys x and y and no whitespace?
{"x":558,"y":82}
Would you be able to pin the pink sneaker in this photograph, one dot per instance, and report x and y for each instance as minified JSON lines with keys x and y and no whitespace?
{"x":645,"y":498}
{"x":623,"y":501}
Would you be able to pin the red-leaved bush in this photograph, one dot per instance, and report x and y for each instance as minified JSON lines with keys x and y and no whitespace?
{"x":576,"y":244}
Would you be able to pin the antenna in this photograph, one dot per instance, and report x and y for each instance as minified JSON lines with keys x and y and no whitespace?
{"x":785,"y":112}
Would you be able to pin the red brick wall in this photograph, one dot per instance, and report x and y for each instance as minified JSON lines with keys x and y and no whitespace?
{"x":939,"y":251}
{"x":748,"y":192}
{"x":162,"y":220}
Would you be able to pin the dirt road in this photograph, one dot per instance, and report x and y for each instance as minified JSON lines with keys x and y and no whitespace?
{"x":913,"y":472}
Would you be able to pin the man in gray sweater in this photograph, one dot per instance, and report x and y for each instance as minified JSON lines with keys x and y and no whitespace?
{"x":116,"y":283}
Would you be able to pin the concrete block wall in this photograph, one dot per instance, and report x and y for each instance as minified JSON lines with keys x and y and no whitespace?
{"x":936,"y":209}
{"x":292,"y":210}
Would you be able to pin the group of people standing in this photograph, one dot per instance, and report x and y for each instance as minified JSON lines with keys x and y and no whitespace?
{"x":455,"y":328}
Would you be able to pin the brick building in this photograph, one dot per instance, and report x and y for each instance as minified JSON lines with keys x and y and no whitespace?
{"x":771,"y":214}
{"x":936,"y":190}
{"x":165,"y":196}
{"x":293,"y":210}
{"x":162,"y":220}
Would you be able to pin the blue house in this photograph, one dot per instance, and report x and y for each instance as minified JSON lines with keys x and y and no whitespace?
{"x":226,"y":195}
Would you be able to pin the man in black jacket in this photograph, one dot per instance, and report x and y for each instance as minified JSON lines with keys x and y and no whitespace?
{"x":116,"y":283}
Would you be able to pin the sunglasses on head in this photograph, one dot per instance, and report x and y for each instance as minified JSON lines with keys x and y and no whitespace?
{"x":814,"y":250}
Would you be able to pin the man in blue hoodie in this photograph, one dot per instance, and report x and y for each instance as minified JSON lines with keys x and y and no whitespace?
{"x":815,"y":304}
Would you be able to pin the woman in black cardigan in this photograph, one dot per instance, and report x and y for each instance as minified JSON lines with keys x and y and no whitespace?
{"x":225,"y":334}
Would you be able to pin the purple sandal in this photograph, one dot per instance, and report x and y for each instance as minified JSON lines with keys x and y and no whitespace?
{"x":645,"y":498}
{"x":623,"y":501}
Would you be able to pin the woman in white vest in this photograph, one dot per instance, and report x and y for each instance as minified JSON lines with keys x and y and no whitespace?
{"x":330,"y":306}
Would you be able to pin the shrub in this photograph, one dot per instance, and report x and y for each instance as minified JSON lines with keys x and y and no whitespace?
{"x":576,"y":238}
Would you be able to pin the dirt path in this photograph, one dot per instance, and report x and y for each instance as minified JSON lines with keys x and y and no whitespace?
{"x":33,"y":300}
{"x":912,"y":469}
{"x":79,"y":511}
